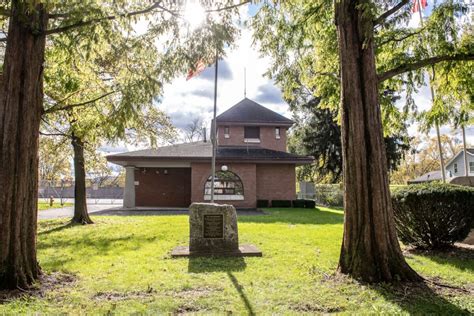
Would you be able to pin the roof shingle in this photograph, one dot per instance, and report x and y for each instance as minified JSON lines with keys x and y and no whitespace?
{"x":248,"y":111}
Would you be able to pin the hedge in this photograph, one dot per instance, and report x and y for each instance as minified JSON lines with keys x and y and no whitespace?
{"x":433,"y":215}
{"x":281,"y":203}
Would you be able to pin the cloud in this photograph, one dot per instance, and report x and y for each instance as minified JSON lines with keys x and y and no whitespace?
{"x":269,"y":93}
{"x":224,"y":72}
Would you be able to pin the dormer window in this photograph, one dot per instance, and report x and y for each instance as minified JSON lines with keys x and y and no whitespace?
{"x":226,"y":132}
{"x":277,"y":132}
{"x":252,"y":134}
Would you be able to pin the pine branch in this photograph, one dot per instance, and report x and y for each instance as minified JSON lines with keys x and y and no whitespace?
{"x":423,"y":63}
{"x":154,"y":6}
{"x":58,"y":107}
{"x":390,"y":12}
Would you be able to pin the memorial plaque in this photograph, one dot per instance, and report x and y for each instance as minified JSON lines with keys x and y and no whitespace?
{"x":213,"y":226}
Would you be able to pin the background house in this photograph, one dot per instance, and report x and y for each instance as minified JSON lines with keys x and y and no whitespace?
{"x":455,"y":171}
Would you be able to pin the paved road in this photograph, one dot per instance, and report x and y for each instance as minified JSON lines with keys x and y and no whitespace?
{"x":68,"y":211}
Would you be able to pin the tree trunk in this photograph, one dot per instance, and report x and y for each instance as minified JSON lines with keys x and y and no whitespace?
{"x":81,"y":216}
{"x":370,"y":250}
{"x":21,"y":106}
{"x":464,"y":147}
{"x":440,"y":150}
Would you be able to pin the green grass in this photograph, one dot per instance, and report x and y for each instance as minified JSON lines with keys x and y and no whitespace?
{"x":122,"y":265}
{"x":46,"y":206}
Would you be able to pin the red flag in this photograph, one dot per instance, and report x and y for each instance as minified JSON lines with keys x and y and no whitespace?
{"x":200,"y":66}
{"x":416,"y":7}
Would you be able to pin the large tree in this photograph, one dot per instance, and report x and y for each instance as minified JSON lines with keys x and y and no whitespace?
{"x":30,"y":22}
{"x":376,"y":51}
{"x":317,"y":133}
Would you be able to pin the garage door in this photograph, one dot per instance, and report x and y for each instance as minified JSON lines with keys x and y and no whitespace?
{"x":163,"y":187}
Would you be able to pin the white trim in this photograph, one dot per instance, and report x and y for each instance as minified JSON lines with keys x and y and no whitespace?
{"x":226,"y":136}
{"x":229,"y":197}
{"x":252,"y":140}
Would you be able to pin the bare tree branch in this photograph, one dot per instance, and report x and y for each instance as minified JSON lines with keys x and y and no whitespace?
{"x":388,"y":13}
{"x":59,"y":107}
{"x":423,"y":63}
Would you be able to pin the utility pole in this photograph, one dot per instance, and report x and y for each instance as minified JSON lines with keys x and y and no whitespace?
{"x":214,"y":132}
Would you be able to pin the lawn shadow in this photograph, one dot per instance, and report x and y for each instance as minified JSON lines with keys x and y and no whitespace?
{"x":316,"y":216}
{"x":422,"y":299}
{"x":240,"y":290}
{"x":458,"y":257}
{"x":58,"y":228}
{"x":216,"y":264}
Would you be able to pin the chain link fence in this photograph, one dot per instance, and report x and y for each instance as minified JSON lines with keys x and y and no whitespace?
{"x":97,"y":192}
{"x":322,"y":194}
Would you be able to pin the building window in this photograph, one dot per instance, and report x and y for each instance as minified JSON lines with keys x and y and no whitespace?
{"x":227,"y":186}
{"x":455,"y":168}
{"x":252,"y":134}
{"x":226,"y":132}
{"x":471,"y":166}
{"x":277,"y":132}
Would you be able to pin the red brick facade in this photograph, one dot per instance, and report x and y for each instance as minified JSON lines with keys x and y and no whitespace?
{"x":267,"y":137}
{"x":276,"y":182}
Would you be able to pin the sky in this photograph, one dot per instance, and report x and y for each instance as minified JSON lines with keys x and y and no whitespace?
{"x":183,"y":100}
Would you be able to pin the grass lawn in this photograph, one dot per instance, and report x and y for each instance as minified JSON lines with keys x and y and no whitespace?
{"x":45,"y":205}
{"x":122,"y":265}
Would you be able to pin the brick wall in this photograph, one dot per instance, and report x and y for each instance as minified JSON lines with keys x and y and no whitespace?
{"x":267,"y":137}
{"x":276,"y":182}
{"x":247,"y":172}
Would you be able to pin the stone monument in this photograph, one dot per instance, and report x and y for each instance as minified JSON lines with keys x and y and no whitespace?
{"x":213,"y":232}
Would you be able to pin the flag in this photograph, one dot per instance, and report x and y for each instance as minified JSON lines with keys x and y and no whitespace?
{"x":415,"y":8}
{"x":200,"y":66}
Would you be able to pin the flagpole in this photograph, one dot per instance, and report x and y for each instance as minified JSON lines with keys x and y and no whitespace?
{"x":440,"y":149}
{"x":214,"y":131}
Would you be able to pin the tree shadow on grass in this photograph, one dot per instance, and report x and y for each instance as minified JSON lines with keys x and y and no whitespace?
{"x":228,"y":265}
{"x":422,"y":299}
{"x":58,"y":228}
{"x":216,"y":264}
{"x":458,"y":257}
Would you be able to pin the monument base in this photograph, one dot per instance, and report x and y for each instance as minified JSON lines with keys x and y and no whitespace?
{"x":244,"y":251}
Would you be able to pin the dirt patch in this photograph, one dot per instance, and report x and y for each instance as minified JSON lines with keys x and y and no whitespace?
{"x":46,"y":283}
{"x":122,"y":296}
{"x":459,"y":251}
{"x":194,"y":292}
{"x":186,"y":309}
{"x":312,"y":308}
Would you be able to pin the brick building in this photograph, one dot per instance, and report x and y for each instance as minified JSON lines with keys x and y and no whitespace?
{"x":252,"y":163}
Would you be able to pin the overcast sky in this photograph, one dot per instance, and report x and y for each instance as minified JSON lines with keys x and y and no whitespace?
{"x":185,"y":100}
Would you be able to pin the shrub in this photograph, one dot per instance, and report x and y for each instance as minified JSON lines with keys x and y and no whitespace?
{"x":299,"y":203}
{"x":433,"y":215}
{"x":281,"y":203}
{"x":309,"y":203}
{"x":262,"y":203}
{"x":329,"y":194}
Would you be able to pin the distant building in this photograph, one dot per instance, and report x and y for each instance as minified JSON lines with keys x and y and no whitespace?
{"x":455,"y":172}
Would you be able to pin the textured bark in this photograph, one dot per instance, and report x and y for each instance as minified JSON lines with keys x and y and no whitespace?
{"x":370,"y":250}
{"x":81,"y":216}
{"x":21,"y":99}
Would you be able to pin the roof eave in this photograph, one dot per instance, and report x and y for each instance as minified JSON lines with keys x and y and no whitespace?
{"x":231,"y":123}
